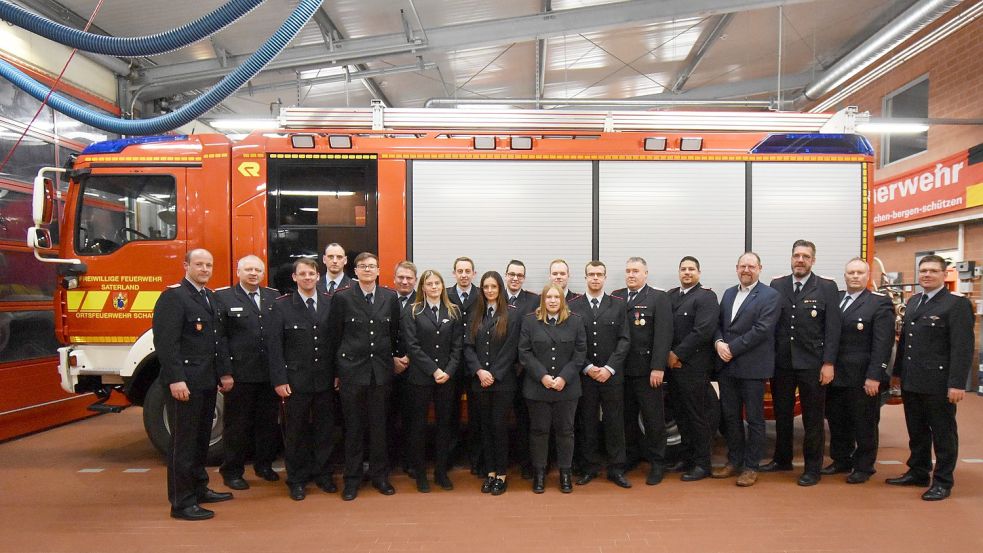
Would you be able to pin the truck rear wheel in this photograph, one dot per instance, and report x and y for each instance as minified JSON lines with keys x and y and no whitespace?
{"x":155,"y":423}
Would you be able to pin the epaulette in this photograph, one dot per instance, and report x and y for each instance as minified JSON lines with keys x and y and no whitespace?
{"x":822,"y":276}
{"x":274,"y":290}
{"x":576,"y":296}
{"x":879,"y":294}
{"x":619,"y":297}
{"x":178,"y":285}
{"x":657,"y":288}
{"x":283,"y":296}
{"x":223,"y":288}
{"x":387,"y":288}
{"x":327,"y":295}
{"x":510,"y":306}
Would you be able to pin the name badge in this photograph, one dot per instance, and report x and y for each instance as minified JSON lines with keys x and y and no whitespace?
{"x":235,"y":309}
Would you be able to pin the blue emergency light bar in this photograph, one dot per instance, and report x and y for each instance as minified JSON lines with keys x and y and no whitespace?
{"x":814,"y":143}
{"x":117,"y":146}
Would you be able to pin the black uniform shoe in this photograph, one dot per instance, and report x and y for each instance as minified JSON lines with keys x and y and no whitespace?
{"x":236,"y":483}
{"x":297,"y":492}
{"x":566,"y":481}
{"x":499,"y":487}
{"x":809,"y":479}
{"x":327,"y":485}
{"x":539,"y":481}
{"x":619,"y":479}
{"x":269,"y":475}
{"x":212,"y":496}
{"x":486,"y":486}
{"x":384,"y":487}
{"x":679,"y":466}
{"x":857,"y":477}
{"x":586,"y":478}
{"x":193,"y":512}
{"x":835,"y":468}
{"x":772,"y":466}
{"x":655,"y":475}
{"x":908,"y":479}
{"x":936,"y":493}
{"x":351,"y":490}
{"x":422,"y":484}
{"x":443,"y":481}
{"x":694,"y":474}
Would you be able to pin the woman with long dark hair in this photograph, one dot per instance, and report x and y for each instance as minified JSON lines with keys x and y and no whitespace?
{"x":490,"y":350}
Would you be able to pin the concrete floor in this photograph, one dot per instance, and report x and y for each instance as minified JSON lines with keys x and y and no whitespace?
{"x":98,"y":485}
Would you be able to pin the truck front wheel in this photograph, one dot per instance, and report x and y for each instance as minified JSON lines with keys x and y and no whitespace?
{"x":155,"y":423}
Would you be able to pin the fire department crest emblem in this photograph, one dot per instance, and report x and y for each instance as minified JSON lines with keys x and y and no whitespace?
{"x":119,"y":302}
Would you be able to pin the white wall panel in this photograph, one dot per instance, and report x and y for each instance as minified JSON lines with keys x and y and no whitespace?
{"x":820,"y":202}
{"x":494,"y":211}
{"x":664,"y":210}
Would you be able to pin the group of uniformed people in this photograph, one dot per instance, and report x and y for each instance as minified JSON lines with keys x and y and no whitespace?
{"x":589,"y":366}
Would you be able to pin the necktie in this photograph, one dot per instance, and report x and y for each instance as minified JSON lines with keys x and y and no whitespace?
{"x":255,"y":297}
{"x":846,"y":301}
{"x":631,"y":297}
{"x":924,"y":300}
{"x":464,"y":297}
{"x":594,"y":304}
{"x":403,"y":300}
{"x":513,"y":299}
{"x":310,"y":306}
{"x":204,"y":296}
{"x":491,"y":312}
{"x":798,"y":288}
{"x":368,"y":298}
{"x":552,"y":321}
{"x":331,"y":287}
{"x":433,"y":310}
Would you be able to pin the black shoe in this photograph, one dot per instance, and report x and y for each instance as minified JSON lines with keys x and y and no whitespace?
{"x":539,"y":481}
{"x":384,"y":487}
{"x":773,"y":466}
{"x":694,"y":474}
{"x":486,"y":486}
{"x":655,"y":475}
{"x":297,"y":492}
{"x":499,"y":487}
{"x":908,"y":479}
{"x":679,"y":466}
{"x":193,"y":512}
{"x":211,"y":496}
{"x":422,"y":484}
{"x":269,"y":475}
{"x":327,"y":485}
{"x":351,"y":490}
{"x":835,"y":468}
{"x":236,"y":483}
{"x":936,"y":493}
{"x":527,"y":473}
{"x":857,"y":477}
{"x":586,"y":478}
{"x":443,"y":481}
{"x":566,"y":481}
{"x":619,"y":479}
{"x":809,"y":479}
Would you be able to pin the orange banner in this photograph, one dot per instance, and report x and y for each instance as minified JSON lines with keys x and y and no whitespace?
{"x":940,"y":187}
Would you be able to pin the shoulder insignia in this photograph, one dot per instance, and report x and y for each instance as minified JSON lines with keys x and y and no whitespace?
{"x":511,"y":306}
{"x":284,"y":296}
{"x":616,"y":297}
{"x":879,"y":294}
{"x":178,"y":285}
{"x":274,"y":290}
{"x":325,"y":294}
{"x":223,"y":288}
{"x":657,"y":288}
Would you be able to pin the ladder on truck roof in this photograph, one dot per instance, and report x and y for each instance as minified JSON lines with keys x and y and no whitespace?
{"x":379,"y":118}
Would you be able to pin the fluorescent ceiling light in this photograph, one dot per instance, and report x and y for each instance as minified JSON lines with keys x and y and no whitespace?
{"x":250,"y":124}
{"x":314,"y":193}
{"x":892,"y":128}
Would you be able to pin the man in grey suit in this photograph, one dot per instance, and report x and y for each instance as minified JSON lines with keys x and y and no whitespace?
{"x":745,"y":342}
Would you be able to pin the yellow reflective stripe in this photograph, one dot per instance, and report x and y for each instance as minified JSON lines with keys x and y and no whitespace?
{"x":94,"y":301}
{"x":75,"y":299}
{"x":145,"y":301}
{"x":103,"y":339}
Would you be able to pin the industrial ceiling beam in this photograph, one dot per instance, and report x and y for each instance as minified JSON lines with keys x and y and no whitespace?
{"x":332,"y":33}
{"x":710,"y":35}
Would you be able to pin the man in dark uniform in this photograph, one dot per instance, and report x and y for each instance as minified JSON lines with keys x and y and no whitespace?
{"x":192,"y":353}
{"x":806,"y":341}
{"x":363,"y":328}
{"x":251,"y":408}
{"x":650,"y":326}
{"x":695,"y":314}
{"x":525,"y":302}
{"x":404,"y":278}
{"x":334,"y":276}
{"x":560,"y":275}
{"x":602,"y":380}
{"x":853,"y":401}
{"x":302,"y":375}
{"x":464,"y":295}
{"x":934,"y":357}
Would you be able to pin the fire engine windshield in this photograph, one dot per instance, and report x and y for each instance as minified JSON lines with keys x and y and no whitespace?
{"x":118,"y":209}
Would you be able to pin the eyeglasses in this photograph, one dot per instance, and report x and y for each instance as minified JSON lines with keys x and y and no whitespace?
{"x":515,"y":275}
{"x":746,"y":267}
{"x":367,"y":267}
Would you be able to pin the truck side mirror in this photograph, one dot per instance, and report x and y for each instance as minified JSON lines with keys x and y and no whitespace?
{"x":44,"y":200}
{"x":39,"y":238}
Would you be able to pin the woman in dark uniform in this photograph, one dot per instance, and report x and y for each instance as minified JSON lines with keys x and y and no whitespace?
{"x":490,"y":351}
{"x":552,"y":348}
{"x":433,"y":332}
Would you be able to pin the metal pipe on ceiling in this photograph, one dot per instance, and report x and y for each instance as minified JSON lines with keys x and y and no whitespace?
{"x":453,"y":102}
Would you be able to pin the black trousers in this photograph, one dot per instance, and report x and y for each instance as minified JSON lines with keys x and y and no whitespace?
{"x":602,"y":406}
{"x":931,"y":422}
{"x":688,"y":394}
{"x":467,"y":438}
{"x":493,"y":408}
{"x":812,"y":397}
{"x":747,"y":395}
{"x":416,"y":401}
{"x":190,"y":423}
{"x":399,"y":422}
{"x":308,"y":435}
{"x":642,"y":398}
{"x":251,"y":410}
{"x":558,"y":415}
{"x":853,"y":418}
{"x":366,"y":410}
{"x":520,"y":453}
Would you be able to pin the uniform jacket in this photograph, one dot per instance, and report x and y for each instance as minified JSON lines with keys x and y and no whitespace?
{"x":751,"y":335}
{"x":322,"y":286}
{"x":466,"y":306}
{"x":362,"y":337}
{"x":808,"y":330}
{"x":188,"y":338}
{"x":558,"y":351}
{"x":400,"y":343}
{"x":650,"y":327}
{"x":936,"y":347}
{"x":526,"y":303}
{"x":297,"y":344}
{"x":571,"y":295}
{"x":431,"y":343}
{"x":245,"y":327}
{"x":695,"y":316}
{"x":496,"y":355}
{"x":607,"y":334}
{"x":866,"y":339}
